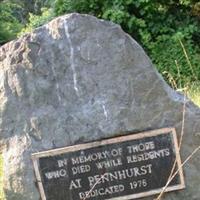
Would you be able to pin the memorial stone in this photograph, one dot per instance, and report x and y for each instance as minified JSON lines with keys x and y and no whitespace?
{"x":79,"y":79}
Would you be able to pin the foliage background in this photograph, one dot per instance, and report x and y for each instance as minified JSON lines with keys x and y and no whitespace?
{"x":168,"y":30}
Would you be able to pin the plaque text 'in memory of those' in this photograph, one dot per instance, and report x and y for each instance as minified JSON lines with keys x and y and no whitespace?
{"x":120,"y":168}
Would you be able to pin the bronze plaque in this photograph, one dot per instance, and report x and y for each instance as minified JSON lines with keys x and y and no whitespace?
{"x":120,"y":168}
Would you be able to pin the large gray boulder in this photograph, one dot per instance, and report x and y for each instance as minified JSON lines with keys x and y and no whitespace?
{"x":80,"y":79}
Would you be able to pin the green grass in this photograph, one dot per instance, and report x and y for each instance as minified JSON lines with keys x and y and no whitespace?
{"x":194,"y":93}
{"x":190,"y":88}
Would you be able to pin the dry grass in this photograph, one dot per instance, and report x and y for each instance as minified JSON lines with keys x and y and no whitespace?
{"x":194,"y":87}
{"x":174,"y":173}
{"x":177,"y":171}
{"x":192,"y":91}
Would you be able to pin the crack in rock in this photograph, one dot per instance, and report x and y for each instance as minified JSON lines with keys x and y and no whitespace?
{"x":72,"y":64}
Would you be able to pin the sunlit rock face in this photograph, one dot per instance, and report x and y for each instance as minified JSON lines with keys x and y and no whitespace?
{"x":80,"y":79}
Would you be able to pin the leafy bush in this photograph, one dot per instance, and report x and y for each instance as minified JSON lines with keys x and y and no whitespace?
{"x":37,"y":20}
{"x":9,"y":24}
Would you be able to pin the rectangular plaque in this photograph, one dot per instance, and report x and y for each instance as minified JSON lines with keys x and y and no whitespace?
{"x":120,"y":168}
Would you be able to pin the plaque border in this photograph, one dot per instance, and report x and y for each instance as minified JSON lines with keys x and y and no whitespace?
{"x":35,"y":157}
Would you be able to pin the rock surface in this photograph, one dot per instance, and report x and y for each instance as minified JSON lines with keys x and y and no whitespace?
{"x":80,"y":79}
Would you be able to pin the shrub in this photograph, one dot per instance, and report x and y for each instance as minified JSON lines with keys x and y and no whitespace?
{"x":9,"y":24}
{"x":37,"y":20}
